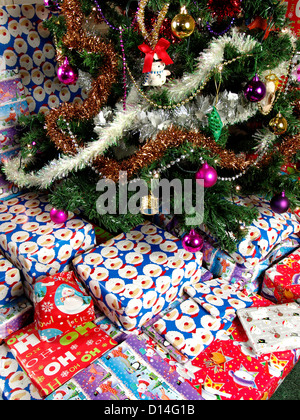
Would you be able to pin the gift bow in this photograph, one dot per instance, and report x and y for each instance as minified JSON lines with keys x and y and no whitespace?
{"x":161,"y":51}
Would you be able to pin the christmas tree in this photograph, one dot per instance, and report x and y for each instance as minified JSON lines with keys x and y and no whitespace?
{"x":178,"y":89}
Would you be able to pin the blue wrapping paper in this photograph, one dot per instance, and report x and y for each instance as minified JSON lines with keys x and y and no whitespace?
{"x":14,"y":382}
{"x":136,"y":275}
{"x":36,"y":245}
{"x":10,"y":281}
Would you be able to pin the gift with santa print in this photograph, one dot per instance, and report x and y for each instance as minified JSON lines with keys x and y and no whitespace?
{"x":61,"y":304}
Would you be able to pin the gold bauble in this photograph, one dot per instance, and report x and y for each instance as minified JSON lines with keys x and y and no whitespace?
{"x":183,"y":25}
{"x":278,"y":124}
{"x":273,"y":78}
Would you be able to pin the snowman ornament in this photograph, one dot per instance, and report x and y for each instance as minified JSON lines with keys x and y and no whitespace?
{"x":158,"y":75}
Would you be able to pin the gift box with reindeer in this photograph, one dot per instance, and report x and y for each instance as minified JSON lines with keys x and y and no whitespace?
{"x":136,"y":275}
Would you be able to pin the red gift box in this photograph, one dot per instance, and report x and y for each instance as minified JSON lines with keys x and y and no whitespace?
{"x":50,"y":364}
{"x":282,"y":281}
{"x":61,"y":303}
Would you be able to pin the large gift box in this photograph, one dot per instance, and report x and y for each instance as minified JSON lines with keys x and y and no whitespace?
{"x":10,"y":281}
{"x":282,"y":281}
{"x":229,"y":369}
{"x":14,"y":316}
{"x":35,"y":244}
{"x":134,"y":276}
{"x":203,"y":316}
{"x":50,"y":364}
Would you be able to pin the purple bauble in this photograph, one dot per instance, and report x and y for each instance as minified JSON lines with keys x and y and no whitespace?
{"x":280,"y":203}
{"x":67,"y":74}
{"x":255,"y":90}
{"x":208,"y":174}
{"x":192,"y":242}
{"x":52,"y":5}
{"x":58,"y":216}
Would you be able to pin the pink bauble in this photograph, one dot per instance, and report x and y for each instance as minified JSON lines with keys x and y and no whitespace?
{"x":192,"y":242}
{"x":208,"y":174}
{"x":67,"y":74}
{"x":298,"y":74}
{"x":52,"y":5}
{"x":58,"y":216}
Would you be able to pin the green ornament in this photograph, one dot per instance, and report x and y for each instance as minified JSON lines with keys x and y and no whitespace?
{"x":215,"y":124}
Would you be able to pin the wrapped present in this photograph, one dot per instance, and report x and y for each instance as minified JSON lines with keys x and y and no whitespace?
{"x":264,"y":234}
{"x":11,"y":89}
{"x":136,"y":275}
{"x":14,"y":382}
{"x":282,"y":281}
{"x":272,"y":328}
{"x":12,"y":105}
{"x":10,"y":281}
{"x":145,"y":373}
{"x":221,"y":264}
{"x":35,"y":244}
{"x":207,"y":314}
{"x":232,"y":267}
{"x":33,"y":54}
{"x":61,"y":304}
{"x":9,"y":113}
{"x":14,"y":316}
{"x":92,"y":383}
{"x":50,"y":364}
{"x":229,"y":369}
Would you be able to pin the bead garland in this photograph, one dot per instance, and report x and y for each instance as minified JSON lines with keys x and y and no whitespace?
{"x":201,"y":159}
{"x":120,"y":30}
{"x":210,"y":30}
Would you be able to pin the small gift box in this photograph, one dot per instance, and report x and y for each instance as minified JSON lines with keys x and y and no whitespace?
{"x":61,"y":304}
{"x":14,"y":316}
{"x":271,"y":329}
{"x":35,"y":244}
{"x":10,"y":281}
{"x":282,"y":281}
{"x":136,"y":275}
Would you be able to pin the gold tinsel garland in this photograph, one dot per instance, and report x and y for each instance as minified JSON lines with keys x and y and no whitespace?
{"x":154,"y":150}
{"x":76,"y":38}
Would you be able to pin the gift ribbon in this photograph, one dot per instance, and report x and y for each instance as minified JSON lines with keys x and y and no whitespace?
{"x":161,"y":51}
